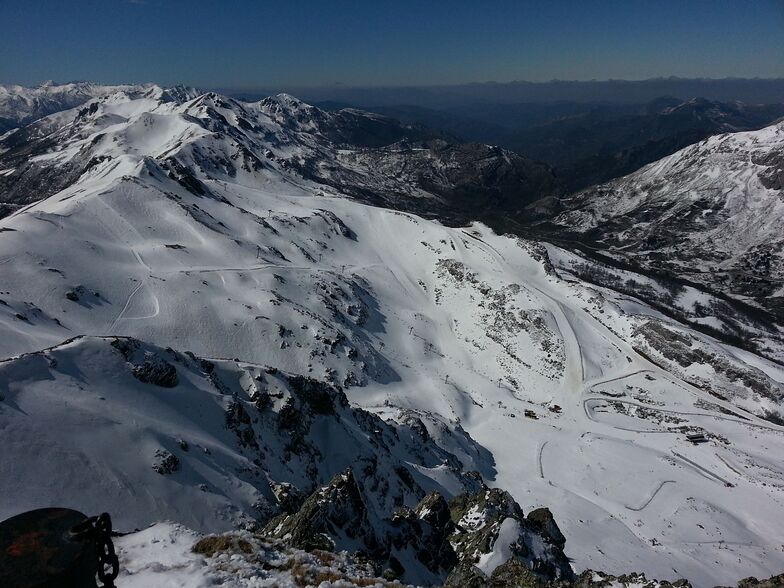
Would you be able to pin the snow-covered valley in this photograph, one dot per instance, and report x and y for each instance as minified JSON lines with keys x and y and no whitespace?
{"x":190,"y":232}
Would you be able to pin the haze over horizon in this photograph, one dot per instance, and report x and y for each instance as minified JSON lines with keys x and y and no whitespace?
{"x":250,"y":45}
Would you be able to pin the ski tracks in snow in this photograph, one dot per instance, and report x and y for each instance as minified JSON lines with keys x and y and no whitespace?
{"x":651,"y":497}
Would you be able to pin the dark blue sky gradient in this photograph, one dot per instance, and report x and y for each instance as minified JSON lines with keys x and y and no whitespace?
{"x":252,"y":44}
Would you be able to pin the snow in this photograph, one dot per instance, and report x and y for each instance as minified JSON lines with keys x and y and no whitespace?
{"x":162,"y":556}
{"x":474,"y":519}
{"x":23,"y":105}
{"x":460,"y":323}
{"x":502,"y":547}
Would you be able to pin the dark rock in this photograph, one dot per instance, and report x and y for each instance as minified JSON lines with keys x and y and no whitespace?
{"x":239,"y":421}
{"x":127,"y":347}
{"x":424,"y":533}
{"x":434,"y":510}
{"x":156,"y":370}
{"x":542,"y":520}
{"x":772,"y":582}
{"x":165,"y":462}
{"x":318,"y":396}
{"x":331,"y":516}
{"x":466,"y":575}
{"x":289,"y":498}
{"x":478,"y":518}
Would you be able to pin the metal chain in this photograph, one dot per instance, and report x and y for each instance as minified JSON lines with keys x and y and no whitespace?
{"x":99,"y":531}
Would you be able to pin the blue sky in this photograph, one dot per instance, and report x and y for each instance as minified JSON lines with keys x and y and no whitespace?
{"x":252,"y":44}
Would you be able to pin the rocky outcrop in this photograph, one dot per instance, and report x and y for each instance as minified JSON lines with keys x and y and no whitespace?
{"x":592,"y":579}
{"x":276,"y":562}
{"x":489,"y":523}
{"x":288,"y":497}
{"x":156,"y":370}
{"x":542,"y":520}
{"x":148,"y":366}
{"x":333,"y":516}
{"x":165,"y":462}
{"x":420,"y":538}
{"x":462,"y":542}
{"x":772,"y":582}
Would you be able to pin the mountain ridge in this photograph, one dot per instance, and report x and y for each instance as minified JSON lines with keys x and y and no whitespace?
{"x":707,"y":212}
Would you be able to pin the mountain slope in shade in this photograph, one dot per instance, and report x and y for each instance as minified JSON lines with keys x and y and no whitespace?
{"x":212,"y":440}
{"x":591,"y":143}
{"x":186,"y":233}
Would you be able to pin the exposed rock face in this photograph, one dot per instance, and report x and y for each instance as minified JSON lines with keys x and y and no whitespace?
{"x":332,"y":516}
{"x":165,"y":462}
{"x":156,"y":370}
{"x":289,"y":498}
{"x":419,"y":538}
{"x":491,"y":522}
{"x":591,"y":579}
{"x":465,"y":542}
{"x":772,"y":582}
{"x":238,"y":420}
{"x":542,"y":519}
{"x":466,"y":575}
{"x":147,"y":366}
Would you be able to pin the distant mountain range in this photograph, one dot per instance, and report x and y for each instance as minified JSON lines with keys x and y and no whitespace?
{"x":20,"y":105}
{"x":591,"y":143}
{"x":753,"y":91}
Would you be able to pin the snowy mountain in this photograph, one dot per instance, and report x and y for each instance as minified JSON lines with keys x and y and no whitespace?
{"x":20,"y":105}
{"x":710,"y":214}
{"x":375,"y":159}
{"x":205,"y":321}
{"x":593,"y":147}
